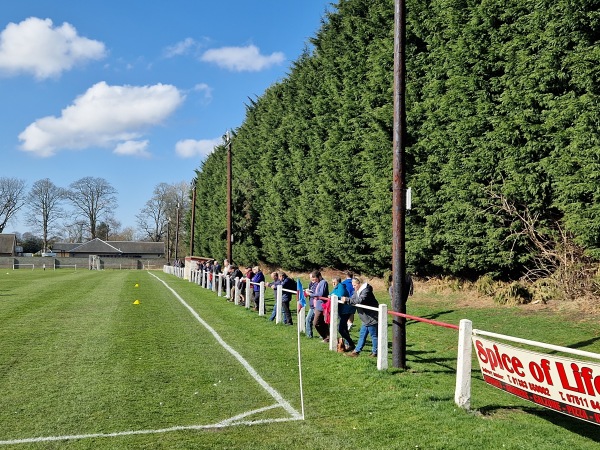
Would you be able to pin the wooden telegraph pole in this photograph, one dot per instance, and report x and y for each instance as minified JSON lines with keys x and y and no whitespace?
{"x":229,"y":236}
{"x":400,"y":287}
{"x":193,"y":219}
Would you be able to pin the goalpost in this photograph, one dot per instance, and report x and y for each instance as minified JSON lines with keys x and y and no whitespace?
{"x":18,"y":266}
{"x":63,"y":266}
{"x":94,"y":262}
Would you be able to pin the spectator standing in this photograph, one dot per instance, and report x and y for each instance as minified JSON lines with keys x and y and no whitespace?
{"x":287,"y":284}
{"x":234,"y":272}
{"x":273,"y":284}
{"x":257,"y":278}
{"x":344,"y":312}
{"x":226,"y":272}
{"x":247,"y":276}
{"x":363,"y":295}
{"x":209,"y":270}
{"x":321,"y":290}
{"x":216,"y":273}
{"x":310,"y":315}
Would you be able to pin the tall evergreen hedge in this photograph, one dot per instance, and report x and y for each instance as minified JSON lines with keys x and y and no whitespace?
{"x":502,"y":109}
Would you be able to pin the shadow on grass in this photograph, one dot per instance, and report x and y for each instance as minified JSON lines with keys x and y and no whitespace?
{"x":582,"y":344}
{"x":583,"y":428}
{"x":417,"y":356}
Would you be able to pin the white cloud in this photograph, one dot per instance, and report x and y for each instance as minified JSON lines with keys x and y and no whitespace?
{"x":104,"y":115}
{"x":132,"y":148}
{"x":242,"y":59}
{"x":190,"y":148}
{"x":205,"y":89}
{"x":35,"y":46}
{"x":181,"y":48}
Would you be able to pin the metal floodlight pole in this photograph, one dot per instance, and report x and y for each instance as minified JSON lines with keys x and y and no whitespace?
{"x":399,"y":283}
{"x":229,"y":237}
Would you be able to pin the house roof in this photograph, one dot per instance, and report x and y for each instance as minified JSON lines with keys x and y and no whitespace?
{"x":7,"y":243}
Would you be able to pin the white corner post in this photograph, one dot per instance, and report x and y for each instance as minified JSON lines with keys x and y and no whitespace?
{"x":278,"y":297}
{"x":382,"y":338}
{"x":236,"y":291}
{"x":248,"y":293}
{"x":462,"y":394}
{"x":220,"y":286}
{"x":228,"y":287}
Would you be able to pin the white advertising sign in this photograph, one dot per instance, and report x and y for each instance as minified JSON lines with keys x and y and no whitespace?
{"x":565,"y":385}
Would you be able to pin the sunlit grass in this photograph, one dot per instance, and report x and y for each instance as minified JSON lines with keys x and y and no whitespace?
{"x":78,"y":357}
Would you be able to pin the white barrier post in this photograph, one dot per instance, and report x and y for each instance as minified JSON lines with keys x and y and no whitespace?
{"x":462,"y":393}
{"x":228,"y":287}
{"x":236,"y":291}
{"x":261,"y":299}
{"x":219,"y":287}
{"x":333,"y":322}
{"x":215,"y":280}
{"x":278,"y":297}
{"x":248,"y":293}
{"x":382,"y":338}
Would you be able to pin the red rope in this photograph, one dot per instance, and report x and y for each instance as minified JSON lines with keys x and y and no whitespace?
{"x":420,"y":319}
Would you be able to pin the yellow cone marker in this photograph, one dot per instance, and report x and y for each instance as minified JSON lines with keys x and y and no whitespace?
{"x":137,"y":302}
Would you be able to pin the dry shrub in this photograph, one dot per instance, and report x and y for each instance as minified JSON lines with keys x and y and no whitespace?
{"x":515,"y":293}
{"x":485,"y":285}
{"x":544,"y":290}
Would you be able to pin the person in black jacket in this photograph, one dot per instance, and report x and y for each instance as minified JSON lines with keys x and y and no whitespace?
{"x":363,"y":295}
{"x":287,"y":284}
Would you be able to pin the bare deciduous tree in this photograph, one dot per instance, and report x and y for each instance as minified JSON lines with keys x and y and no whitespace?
{"x":94,"y":199}
{"x":44,"y":200}
{"x":12,"y":198}
{"x":153,"y":217}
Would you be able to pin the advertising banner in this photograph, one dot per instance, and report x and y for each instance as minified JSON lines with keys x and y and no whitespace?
{"x":565,"y":385}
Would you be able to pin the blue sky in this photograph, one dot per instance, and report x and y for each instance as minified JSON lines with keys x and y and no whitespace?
{"x":136,"y":92}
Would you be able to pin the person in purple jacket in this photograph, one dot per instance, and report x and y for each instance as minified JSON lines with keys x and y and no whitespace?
{"x":321,"y":290}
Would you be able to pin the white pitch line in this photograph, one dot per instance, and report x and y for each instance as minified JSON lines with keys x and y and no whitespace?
{"x":232,"y":421}
{"x":276,"y":395}
{"x":223,"y":424}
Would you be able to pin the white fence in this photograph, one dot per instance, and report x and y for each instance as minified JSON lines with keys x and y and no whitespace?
{"x":224,"y":285}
